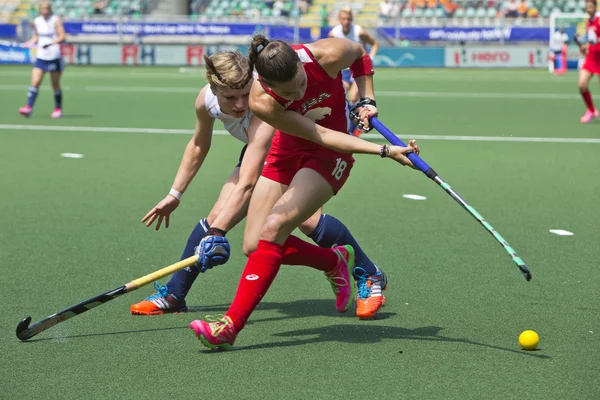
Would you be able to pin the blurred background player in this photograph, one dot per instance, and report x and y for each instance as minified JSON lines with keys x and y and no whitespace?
{"x":558,"y":48}
{"x":591,"y":65}
{"x":347,"y":29}
{"x":48,"y":34}
{"x":225,"y":97}
{"x":300,"y":93}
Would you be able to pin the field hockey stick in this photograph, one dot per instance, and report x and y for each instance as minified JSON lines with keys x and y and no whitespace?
{"x":24,"y":331}
{"x":430,"y":173}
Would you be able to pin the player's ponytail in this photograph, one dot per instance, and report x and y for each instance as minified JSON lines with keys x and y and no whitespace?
{"x":227,"y":69}
{"x":275,"y":61}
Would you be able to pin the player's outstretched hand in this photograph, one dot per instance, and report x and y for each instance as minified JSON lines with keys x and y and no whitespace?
{"x":399,"y":153}
{"x":161,"y":211}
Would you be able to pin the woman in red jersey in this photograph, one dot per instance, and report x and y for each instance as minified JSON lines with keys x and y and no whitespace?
{"x":591,"y":66}
{"x":300,"y":93}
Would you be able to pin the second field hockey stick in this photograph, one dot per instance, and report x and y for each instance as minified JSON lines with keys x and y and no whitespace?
{"x":430,"y":173}
{"x":25,"y":331}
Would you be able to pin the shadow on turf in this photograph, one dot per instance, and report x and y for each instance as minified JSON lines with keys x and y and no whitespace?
{"x":218,"y":308}
{"x":365,"y":333}
{"x":64,"y":337}
{"x":292,"y":309}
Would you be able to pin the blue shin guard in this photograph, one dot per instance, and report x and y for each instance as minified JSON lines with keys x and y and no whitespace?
{"x":330,"y":231}
{"x":182,"y":280}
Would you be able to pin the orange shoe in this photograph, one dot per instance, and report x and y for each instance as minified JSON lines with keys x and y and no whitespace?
{"x":370,"y":298}
{"x":160,"y":302}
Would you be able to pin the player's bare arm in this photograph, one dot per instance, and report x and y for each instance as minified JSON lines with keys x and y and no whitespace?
{"x":60,"y":31}
{"x":369,"y":39}
{"x":266,"y":108}
{"x":34,"y":38}
{"x":338,"y":54}
{"x":260,"y":135}
{"x":193,"y":157}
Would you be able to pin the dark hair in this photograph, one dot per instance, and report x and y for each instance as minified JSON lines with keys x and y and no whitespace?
{"x":275,"y":61}
{"x":591,"y":1}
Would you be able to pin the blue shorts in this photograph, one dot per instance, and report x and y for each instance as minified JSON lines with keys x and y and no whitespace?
{"x":49,"y":65}
{"x":347,"y":76}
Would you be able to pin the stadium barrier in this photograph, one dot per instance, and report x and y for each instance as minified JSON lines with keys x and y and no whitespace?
{"x":496,"y":57}
{"x":432,"y":57}
{"x":468,"y":34}
{"x":184,"y":29}
{"x":191,"y":55}
{"x":11,"y":54}
{"x":8,"y":31}
{"x":143,"y":29}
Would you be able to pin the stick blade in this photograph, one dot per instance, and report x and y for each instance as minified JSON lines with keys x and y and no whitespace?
{"x":22,"y":332}
{"x":525,"y":272}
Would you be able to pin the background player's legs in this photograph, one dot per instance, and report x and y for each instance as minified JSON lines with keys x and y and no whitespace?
{"x":181,"y":281}
{"x":55,"y":80}
{"x":353,"y":99}
{"x":37,"y":75}
{"x":353,"y":93}
{"x":351,"y":96}
{"x":327,"y":231}
{"x":584,"y":81}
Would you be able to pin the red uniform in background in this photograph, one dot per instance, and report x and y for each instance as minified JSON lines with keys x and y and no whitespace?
{"x":592,"y":58}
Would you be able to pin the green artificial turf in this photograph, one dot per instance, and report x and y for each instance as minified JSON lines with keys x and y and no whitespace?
{"x":456,"y":304}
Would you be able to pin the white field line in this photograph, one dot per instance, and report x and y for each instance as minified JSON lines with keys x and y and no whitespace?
{"x":382,"y":75}
{"x":223,"y":132}
{"x":193,"y":89}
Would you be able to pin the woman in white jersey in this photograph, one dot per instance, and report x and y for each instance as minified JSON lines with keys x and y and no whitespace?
{"x":346,"y":29}
{"x":225,"y":97}
{"x":48,"y":34}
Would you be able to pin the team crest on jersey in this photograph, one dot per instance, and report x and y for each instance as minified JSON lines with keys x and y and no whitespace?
{"x":314,"y":101}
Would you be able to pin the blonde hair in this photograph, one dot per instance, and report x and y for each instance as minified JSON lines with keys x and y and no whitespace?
{"x":346,"y":10}
{"x":227,"y":70}
{"x":45,"y":3}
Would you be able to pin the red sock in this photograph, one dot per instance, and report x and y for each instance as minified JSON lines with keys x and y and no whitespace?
{"x":299,"y":252}
{"x":587,"y":98}
{"x":261,"y":269}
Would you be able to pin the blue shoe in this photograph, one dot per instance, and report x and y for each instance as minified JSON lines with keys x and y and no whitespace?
{"x":370,"y":298}
{"x":160,"y":302}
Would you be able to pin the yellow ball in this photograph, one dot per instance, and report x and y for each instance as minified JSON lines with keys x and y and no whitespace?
{"x":529,"y":340}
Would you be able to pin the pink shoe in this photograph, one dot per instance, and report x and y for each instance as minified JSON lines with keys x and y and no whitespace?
{"x":25,"y":111}
{"x":57,"y":113}
{"x":589,"y":116}
{"x":341,"y":278}
{"x":219,"y":333}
